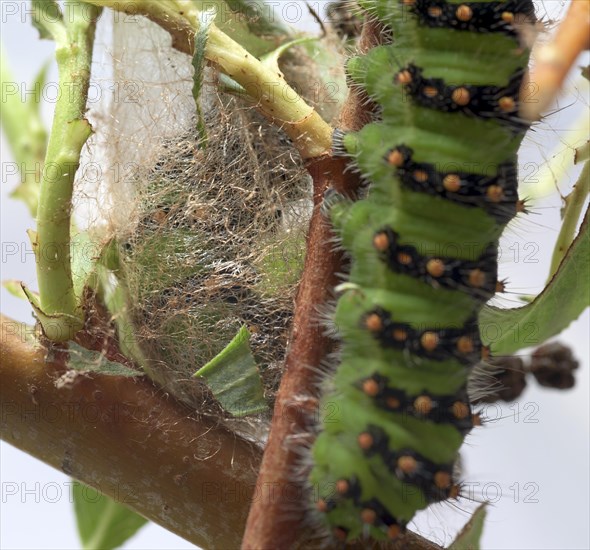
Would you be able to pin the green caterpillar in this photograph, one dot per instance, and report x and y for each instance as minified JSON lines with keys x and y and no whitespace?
{"x":441,"y":163}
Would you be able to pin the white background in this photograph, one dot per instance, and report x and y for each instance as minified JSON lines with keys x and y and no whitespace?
{"x":542,"y":450}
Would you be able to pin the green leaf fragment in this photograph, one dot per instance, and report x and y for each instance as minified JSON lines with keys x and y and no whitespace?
{"x":103,"y":523}
{"x":562,"y":301}
{"x":233,"y":378}
{"x":228,"y":85}
{"x":24,"y":131}
{"x":115,"y":298}
{"x":87,"y":360}
{"x":15,"y":288}
{"x":470,"y":536}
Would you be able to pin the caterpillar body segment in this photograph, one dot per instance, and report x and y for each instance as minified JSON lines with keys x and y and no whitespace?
{"x":441,"y":164}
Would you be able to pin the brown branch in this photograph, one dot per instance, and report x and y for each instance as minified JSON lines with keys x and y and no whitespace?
{"x":128,"y":439}
{"x":273,"y":523}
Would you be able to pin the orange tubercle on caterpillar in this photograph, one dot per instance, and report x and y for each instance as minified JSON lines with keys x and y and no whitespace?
{"x":403,"y":77}
{"x":436,"y":268}
{"x":452,"y":183}
{"x":423,"y":405}
{"x":430,"y":91}
{"x":460,"y":410}
{"x":370,"y":388}
{"x":373,"y":322}
{"x":465,"y":345}
{"x":464,"y":13}
{"x":507,"y":104}
{"x":404,"y":259}
{"x":395,"y":158}
{"x":407,"y":464}
{"x":399,"y":335}
{"x":495,"y":193}
{"x":342,"y":486}
{"x":461,"y":96}
{"x":365,"y":441}
{"x":477,"y":278}
{"x":429,"y":341}
{"x":394,"y":531}
{"x":368,"y":516}
{"x":434,"y":11}
{"x":381,"y":242}
{"x":443,"y":480}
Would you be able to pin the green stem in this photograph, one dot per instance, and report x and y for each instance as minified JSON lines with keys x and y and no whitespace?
{"x":69,"y":133}
{"x":574,"y":203}
{"x":273,"y":96}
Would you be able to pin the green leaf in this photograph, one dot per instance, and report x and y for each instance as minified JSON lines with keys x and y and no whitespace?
{"x":470,"y":535}
{"x":103,"y":523}
{"x":228,"y":85}
{"x":233,"y":378}
{"x":114,"y":295}
{"x":15,"y":288}
{"x":83,"y":359}
{"x":199,"y":64}
{"x":562,"y":301}
{"x":25,"y":133}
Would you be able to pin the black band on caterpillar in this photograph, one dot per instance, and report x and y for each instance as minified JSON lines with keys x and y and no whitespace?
{"x":496,"y":193}
{"x":480,"y":276}
{"x":480,"y":17}
{"x":435,"y":480}
{"x":498,"y":102}
{"x":441,"y":409}
{"x":462,"y":344}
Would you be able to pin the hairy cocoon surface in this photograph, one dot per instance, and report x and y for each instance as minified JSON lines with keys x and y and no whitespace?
{"x":217,"y":245}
